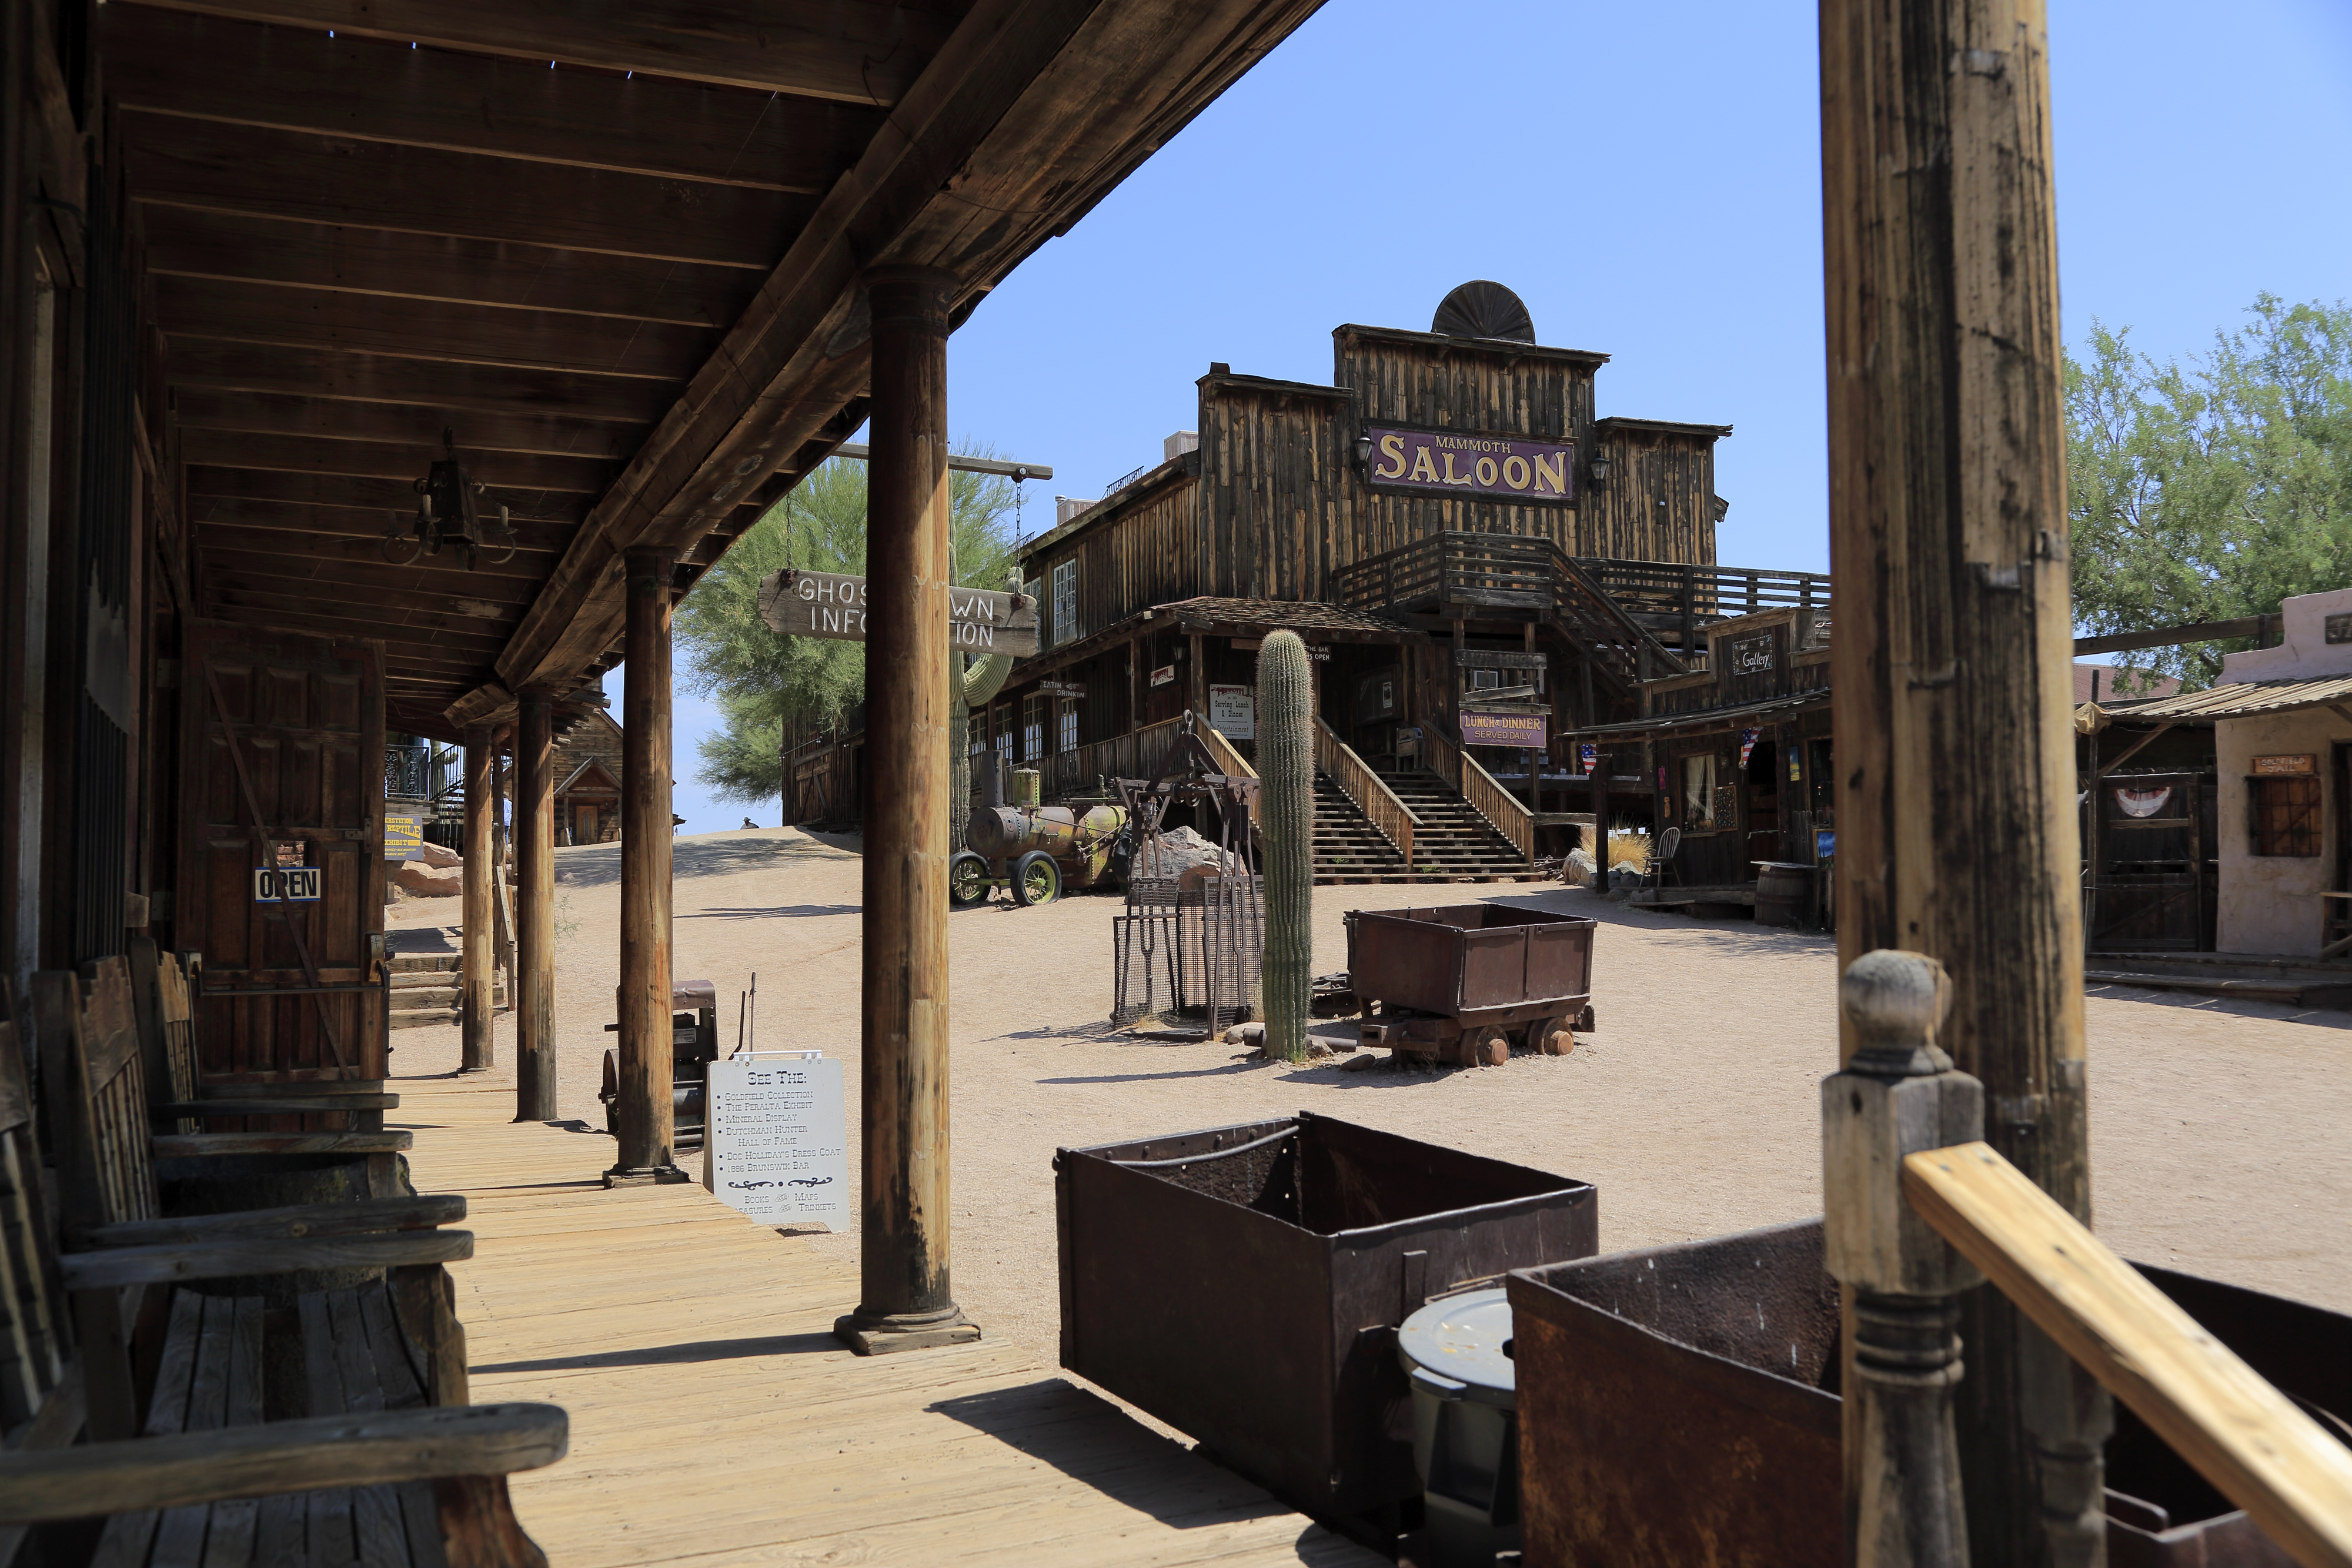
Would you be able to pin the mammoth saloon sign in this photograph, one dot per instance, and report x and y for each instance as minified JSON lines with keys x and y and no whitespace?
{"x":1446,"y":462}
{"x":797,"y":604}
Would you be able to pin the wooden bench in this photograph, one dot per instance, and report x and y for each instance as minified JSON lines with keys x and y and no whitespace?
{"x":118,"y":1246}
{"x":364,"y":1471}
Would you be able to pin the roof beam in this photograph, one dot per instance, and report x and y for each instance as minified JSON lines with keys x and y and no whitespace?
{"x":214,"y":167}
{"x":275,"y":414}
{"x":508,"y":471}
{"x":2258,"y":627}
{"x":444,"y":576}
{"x":300,"y":79}
{"x":298,"y":523}
{"x":348,"y":490}
{"x":265,"y":544}
{"x":430,"y":329}
{"x":184,"y":242}
{"x":379,"y":378}
{"x":476,"y":639}
{"x":853,"y":52}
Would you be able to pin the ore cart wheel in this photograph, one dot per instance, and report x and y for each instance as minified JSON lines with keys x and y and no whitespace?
{"x":1483,"y":1047}
{"x":1584,"y":1019}
{"x":1037,"y":879}
{"x":967,"y":880}
{"x":1553,"y":1036}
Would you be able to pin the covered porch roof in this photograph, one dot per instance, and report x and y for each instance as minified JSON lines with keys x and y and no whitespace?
{"x":614,"y":252}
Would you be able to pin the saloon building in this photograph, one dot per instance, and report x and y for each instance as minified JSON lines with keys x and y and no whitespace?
{"x":1483,"y":564}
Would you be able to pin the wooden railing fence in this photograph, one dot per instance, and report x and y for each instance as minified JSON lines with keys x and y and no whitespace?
{"x":1084,"y":769}
{"x":1505,"y":810}
{"x":1236,"y":764}
{"x":1371,"y":794}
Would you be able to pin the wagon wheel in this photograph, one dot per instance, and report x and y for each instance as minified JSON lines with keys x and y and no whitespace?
{"x":1037,"y":879}
{"x":1483,"y":1046}
{"x":967,"y":880}
{"x":1553,"y":1036}
{"x":1584,"y":1019}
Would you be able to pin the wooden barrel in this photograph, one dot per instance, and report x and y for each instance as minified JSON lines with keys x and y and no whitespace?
{"x":1784,"y":893}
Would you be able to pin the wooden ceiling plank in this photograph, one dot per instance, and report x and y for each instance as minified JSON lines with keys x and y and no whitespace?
{"x":445,"y":576}
{"x":505,"y":472}
{"x":303,"y":522}
{"x":863,"y":52}
{"x":184,"y":242}
{"x":383,"y":496}
{"x":214,"y":167}
{"x":425,"y":631}
{"x":272,"y":413}
{"x":269,"y":544}
{"x":430,"y":329}
{"x":378,"y":378}
{"x":381,"y":90}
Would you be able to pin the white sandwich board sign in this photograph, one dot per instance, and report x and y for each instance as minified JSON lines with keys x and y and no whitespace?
{"x":776,"y":1145}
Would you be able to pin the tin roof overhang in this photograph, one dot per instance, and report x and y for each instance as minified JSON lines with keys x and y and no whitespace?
{"x":627,"y":284}
{"x":2246,"y":699}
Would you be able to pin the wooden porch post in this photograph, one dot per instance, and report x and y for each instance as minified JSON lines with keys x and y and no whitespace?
{"x":534,"y":837}
{"x":642,"y":1115}
{"x":904,"y":1299}
{"x":476,"y":965}
{"x":1956,"y":783}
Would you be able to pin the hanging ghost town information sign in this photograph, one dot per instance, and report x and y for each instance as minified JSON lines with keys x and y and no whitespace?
{"x":797,"y":604}
{"x":1451,"y":462}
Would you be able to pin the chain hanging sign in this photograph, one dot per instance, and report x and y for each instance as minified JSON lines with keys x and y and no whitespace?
{"x":796,"y":603}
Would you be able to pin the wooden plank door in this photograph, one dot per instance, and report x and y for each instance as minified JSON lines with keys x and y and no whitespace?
{"x":304,"y":716}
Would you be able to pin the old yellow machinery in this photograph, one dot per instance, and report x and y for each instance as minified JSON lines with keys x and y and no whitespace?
{"x":1033,"y":850}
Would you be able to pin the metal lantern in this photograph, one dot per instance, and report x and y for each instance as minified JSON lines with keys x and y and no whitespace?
{"x":1364,"y":450}
{"x":448,"y":513}
{"x":1600,"y":468}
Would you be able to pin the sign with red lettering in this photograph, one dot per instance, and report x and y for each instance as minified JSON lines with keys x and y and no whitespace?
{"x":1457,"y":462}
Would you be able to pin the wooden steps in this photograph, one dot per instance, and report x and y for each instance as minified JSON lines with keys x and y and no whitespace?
{"x":425,"y":986}
{"x":1453,"y":842}
{"x":2241,"y":977}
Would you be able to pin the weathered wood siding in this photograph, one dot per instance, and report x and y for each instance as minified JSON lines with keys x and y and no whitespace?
{"x":1659,"y":502}
{"x":1440,"y":384}
{"x":1144,"y":551}
{"x":1276,"y":500}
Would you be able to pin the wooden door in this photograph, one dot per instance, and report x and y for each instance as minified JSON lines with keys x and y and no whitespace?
{"x":290,"y":727}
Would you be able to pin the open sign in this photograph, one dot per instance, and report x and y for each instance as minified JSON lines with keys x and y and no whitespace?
{"x":289,"y":884}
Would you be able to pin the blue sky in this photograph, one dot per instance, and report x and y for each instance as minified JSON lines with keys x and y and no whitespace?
{"x":1648,"y":178}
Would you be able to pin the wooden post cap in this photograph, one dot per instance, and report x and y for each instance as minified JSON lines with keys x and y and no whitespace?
{"x":1895,"y":1000}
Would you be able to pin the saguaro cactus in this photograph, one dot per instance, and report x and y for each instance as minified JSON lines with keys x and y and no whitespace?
{"x":1286,"y":765}
{"x":967,"y":689}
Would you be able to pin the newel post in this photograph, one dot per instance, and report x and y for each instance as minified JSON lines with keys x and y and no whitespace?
{"x":1899,"y":1095}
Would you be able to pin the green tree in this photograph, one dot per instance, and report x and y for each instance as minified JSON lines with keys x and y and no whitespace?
{"x":771,"y":688}
{"x":2212,"y":490}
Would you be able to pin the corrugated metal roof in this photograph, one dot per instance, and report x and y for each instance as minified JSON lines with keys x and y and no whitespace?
{"x":2244,"y":699}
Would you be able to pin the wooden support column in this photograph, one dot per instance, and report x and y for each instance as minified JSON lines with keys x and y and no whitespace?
{"x":904,"y":1299}
{"x":1197,"y":683}
{"x":534,"y":836}
{"x":1955,"y":775}
{"x":643,"y":1115}
{"x":477,"y":962}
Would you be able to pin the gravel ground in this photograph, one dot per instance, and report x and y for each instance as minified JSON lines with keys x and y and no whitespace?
{"x":2216,"y":1128}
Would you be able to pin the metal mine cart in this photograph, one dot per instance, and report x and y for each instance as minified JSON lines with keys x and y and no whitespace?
{"x":693,"y":1044}
{"x":1467,"y":982}
{"x":1033,"y":850}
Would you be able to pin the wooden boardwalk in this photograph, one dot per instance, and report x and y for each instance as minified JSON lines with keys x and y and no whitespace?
{"x":715,"y":1419}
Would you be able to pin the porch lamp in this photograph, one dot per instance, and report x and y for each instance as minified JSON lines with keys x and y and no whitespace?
{"x":1363,"y":449}
{"x":1599,"y":469}
{"x":448,"y":514}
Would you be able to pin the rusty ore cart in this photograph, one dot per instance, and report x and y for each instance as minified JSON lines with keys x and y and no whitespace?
{"x":1465,"y":982}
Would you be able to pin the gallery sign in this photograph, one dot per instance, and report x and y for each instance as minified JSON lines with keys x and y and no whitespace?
{"x":797,"y":604}
{"x":1457,"y":462}
{"x":1487,"y":727}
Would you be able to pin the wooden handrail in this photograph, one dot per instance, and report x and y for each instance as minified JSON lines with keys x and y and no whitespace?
{"x":1366,"y":789}
{"x":2243,"y":1435}
{"x":1232,"y":762}
{"x":1508,"y":814}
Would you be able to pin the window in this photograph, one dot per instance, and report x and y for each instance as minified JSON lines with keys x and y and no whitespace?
{"x":1066,"y":601}
{"x":1698,"y":793}
{"x":1033,"y":728}
{"x":1069,"y":724}
{"x":2286,"y":815}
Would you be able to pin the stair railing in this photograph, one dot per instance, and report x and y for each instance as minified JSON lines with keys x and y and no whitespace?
{"x":1234,"y":764}
{"x":1368,"y":790}
{"x":1507,"y":813}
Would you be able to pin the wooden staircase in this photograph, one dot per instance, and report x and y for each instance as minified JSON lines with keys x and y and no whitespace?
{"x":1453,"y":843}
{"x":425,"y":986}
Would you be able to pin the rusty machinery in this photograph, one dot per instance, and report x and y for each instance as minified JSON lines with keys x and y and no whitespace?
{"x":1033,"y":850}
{"x":1196,"y":949}
{"x":693,"y":1044}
